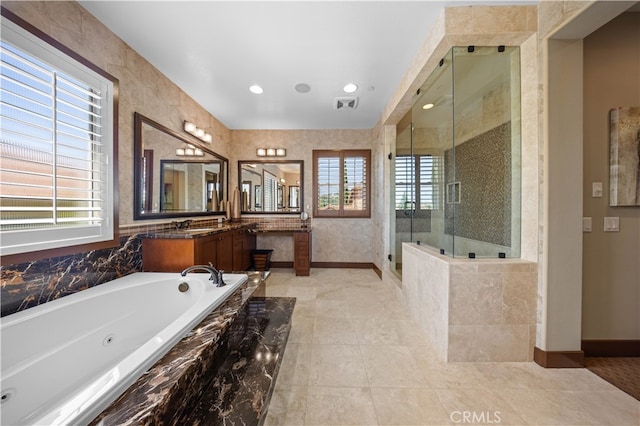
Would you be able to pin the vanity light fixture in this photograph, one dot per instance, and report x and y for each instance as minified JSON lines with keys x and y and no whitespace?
{"x":271,"y":152}
{"x":194,"y":130}
{"x":189,"y":150}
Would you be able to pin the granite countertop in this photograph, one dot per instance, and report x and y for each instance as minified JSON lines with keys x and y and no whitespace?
{"x":200,"y":231}
{"x":159,"y":393}
{"x":282,"y":230}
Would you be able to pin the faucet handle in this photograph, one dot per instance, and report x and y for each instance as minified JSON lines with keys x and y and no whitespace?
{"x":220,"y":282}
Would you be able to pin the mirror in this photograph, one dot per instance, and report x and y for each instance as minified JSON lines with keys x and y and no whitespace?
{"x":271,"y":186}
{"x":175,"y":176}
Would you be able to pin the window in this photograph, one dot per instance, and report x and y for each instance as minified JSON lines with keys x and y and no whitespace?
{"x":416,"y":182}
{"x":342,"y":185}
{"x":58,"y":146}
{"x":269,"y":192}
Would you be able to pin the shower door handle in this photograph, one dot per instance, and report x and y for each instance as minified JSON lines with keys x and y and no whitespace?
{"x":413,"y":208}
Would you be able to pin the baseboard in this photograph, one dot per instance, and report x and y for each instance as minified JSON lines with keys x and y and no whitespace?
{"x":612,"y":348}
{"x":377,"y":271}
{"x":558,"y":359}
{"x":282,"y":264}
{"x":347,"y":265}
{"x":352,"y":265}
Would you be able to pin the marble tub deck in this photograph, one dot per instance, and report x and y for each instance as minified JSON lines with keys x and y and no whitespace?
{"x":221,"y":349}
{"x":239,"y":393}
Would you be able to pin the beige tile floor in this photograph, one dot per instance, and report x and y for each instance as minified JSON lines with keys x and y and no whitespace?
{"x":355,"y":357}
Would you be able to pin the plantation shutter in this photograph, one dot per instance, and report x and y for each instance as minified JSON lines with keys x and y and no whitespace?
{"x":341,"y":183}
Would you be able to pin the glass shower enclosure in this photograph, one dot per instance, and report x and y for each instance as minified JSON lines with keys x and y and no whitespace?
{"x":456,"y":176}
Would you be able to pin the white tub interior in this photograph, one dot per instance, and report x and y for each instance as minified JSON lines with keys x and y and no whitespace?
{"x":65,"y":361}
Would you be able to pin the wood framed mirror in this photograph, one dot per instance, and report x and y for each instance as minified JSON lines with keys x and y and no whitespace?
{"x":175,"y":176}
{"x":266,"y":183}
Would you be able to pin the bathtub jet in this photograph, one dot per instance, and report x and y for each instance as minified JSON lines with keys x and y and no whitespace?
{"x":65,"y":361}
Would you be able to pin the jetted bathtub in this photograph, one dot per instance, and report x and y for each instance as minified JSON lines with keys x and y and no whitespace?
{"x":65,"y":361}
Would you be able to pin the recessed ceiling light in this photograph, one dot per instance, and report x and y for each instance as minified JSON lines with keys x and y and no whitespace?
{"x":427,"y":106}
{"x":302,"y":88}
{"x":350,"y":88}
{"x":256,"y":89}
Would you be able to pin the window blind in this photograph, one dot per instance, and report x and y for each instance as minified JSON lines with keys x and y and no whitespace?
{"x":269,"y":192}
{"x":53,"y":170}
{"x":416,"y":182}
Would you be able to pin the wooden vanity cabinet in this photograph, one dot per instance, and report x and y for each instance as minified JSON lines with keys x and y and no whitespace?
{"x":302,"y":253}
{"x":225,"y":250}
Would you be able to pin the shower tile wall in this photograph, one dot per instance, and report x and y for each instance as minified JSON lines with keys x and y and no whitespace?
{"x":483,"y":168}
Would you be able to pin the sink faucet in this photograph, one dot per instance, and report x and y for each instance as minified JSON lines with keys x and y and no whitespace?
{"x":215,"y":278}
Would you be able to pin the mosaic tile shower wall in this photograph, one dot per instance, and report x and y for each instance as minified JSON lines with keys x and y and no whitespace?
{"x":483,"y":204}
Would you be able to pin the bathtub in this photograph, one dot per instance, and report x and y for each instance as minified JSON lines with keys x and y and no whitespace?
{"x":65,"y":361}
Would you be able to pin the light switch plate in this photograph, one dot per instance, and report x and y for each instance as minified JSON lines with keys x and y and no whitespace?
{"x":596,"y":189}
{"x":611,"y":224}
{"x":586,"y":224}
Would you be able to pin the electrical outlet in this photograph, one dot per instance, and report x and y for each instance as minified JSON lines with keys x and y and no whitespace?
{"x":586,"y":224}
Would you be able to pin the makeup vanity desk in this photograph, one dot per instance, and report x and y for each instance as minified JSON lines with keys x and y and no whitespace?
{"x":301,"y":246}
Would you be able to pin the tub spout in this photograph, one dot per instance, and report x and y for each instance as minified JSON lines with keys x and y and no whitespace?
{"x":215,"y":278}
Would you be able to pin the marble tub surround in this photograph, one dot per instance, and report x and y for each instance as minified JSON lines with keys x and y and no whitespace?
{"x":240,"y":391}
{"x":164,"y":393}
{"x":472,"y":309}
{"x":29,"y":284}
{"x":32,"y":283}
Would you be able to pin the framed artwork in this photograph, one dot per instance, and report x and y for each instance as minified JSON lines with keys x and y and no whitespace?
{"x":624,"y":156}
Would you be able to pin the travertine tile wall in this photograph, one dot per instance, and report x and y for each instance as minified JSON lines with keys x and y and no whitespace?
{"x":333,"y":240}
{"x":472,"y":310}
{"x":142,"y":88}
{"x":425,"y":288}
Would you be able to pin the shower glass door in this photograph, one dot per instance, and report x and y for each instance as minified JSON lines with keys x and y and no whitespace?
{"x":456,"y":172}
{"x":418,"y":185}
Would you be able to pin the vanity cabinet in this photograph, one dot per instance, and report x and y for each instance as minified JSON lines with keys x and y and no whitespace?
{"x":227,"y":251}
{"x":302,"y":253}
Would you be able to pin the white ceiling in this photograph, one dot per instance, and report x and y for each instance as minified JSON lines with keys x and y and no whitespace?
{"x":214,"y":50}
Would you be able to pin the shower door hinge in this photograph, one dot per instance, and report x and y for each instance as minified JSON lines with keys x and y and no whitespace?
{"x":390,"y":156}
{"x":390,"y":258}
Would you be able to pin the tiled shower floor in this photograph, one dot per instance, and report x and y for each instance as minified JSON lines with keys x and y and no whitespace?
{"x":354,"y":357}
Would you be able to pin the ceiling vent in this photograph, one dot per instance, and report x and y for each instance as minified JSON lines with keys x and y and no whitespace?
{"x":345,"y":103}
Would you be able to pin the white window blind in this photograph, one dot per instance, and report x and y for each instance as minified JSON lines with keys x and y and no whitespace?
{"x":270,"y":192}
{"x":404,"y":177}
{"x":416,"y":182}
{"x":55,"y":171}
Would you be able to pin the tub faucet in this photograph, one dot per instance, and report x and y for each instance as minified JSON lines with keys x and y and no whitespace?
{"x":215,"y":278}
